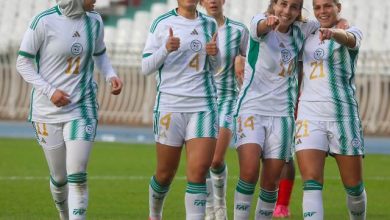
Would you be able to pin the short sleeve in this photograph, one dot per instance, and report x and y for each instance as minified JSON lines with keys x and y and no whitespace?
{"x":33,"y":39}
{"x":253,"y":26}
{"x":100,"y":46}
{"x":358,"y":36}
{"x":244,"y":41}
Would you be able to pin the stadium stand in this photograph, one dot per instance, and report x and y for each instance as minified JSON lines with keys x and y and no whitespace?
{"x":125,"y":36}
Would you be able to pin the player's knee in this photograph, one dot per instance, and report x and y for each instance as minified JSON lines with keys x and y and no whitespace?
{"x":58,"y":179}
{"x":165,"y":177}
{"x":77,"y":177}
{"x":249,"y":176}
{"x":217,"y":164}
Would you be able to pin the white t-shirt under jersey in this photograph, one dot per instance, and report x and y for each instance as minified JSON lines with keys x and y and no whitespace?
{"x":185,"y":78}
{"x":63,"y":49}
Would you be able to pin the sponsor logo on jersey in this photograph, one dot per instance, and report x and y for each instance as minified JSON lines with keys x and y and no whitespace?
{"x":286,"y":55}
{"x":196,"y":45}
{"x":299,"y":141}
{"x":281,"y":45}
{"x":43,"y":141}
{"x":76,"y":34}
{"x":76,"y":49}
{"x":319,"y":54}
{"x":194,"y":32}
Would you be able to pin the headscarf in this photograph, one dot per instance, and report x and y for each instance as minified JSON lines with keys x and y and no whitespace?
{"x":71,"y":8}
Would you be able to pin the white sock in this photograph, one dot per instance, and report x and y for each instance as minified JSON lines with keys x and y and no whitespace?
{"x":157,"y":194}
{"x":242,"y":199}
{"x":266,"y":204}
{"x":78,"y":196}
{"x":357,"y":202}
{"x":312,"y":201}
{"x":59,"y":193}
{"x":210,"y":193}
{"x":195,"y":201}
{"x":219,"y":179}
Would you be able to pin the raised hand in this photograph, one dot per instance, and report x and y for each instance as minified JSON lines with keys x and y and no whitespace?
{"x":326,"y":34}
{"x":272,"y":22}
{"x":60,"y":98}
{"x":173,"y":43}
{"x":116,"y":85}
{"x":212,"y":47}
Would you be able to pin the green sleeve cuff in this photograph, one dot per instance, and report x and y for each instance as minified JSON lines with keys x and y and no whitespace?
{"x":25,"y":54}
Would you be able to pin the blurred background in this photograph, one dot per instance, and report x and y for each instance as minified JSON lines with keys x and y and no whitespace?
{"x":126,"y":26}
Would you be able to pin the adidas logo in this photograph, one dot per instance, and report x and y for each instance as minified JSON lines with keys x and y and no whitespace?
{"x":282,"y":45}
{"x":194,"y":32}
{"x":76,"y":34}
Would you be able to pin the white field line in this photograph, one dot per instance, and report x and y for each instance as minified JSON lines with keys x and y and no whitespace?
{"x":140,"y":178}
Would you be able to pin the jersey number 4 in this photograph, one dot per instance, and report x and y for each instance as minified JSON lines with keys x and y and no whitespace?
{"x":194,"y":63}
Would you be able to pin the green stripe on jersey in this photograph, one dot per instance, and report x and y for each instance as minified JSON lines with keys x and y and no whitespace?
{"x":336,"y":97}
{"x":41,"y":15}
{"x":25,"y":54}
{"x":253,"y":57}
{"x":162,"y":17}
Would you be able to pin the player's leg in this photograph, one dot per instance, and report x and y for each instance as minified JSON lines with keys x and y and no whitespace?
{"x":286,"y":184}
{"x":351,"y":168}
{"x":50,"y":138}
{"x":168,"y":129}
{"x":249,"y":163}
{"x":199,"y":156}
{"x":311,"y":147}
{"x":218,"y":173}
{"x":250,"y":135}
{"x":311,"y":164}
{"x":276,"y":150}
{"x":79,"y":136}
{"x":348,"y":149}
{"x":201,"y":137}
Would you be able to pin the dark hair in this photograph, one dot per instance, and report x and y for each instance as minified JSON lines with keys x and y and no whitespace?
{"x":270,"y":10}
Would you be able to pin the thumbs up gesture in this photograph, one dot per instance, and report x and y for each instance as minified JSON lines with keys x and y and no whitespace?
{"x":173,"y":43}
{"x":211,"y":47}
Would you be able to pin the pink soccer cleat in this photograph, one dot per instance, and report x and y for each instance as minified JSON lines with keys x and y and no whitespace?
{"x":281,"y":211}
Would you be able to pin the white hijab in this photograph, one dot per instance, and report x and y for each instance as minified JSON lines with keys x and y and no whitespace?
{"x":71,"y":8}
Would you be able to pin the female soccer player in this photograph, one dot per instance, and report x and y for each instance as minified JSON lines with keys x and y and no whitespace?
{"x":182,"y":48}
{"x":328,"y":118}
{"x":233,"y":40}
{"x":265,"y":108}
{"x":65,"y":42}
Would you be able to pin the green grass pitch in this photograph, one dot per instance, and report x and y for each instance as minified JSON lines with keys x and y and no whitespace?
{"x":118,"y":184}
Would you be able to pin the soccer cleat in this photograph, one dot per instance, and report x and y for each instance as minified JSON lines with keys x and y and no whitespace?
{"x":281,"y":211}
{"x":220,"y":213}
{"x":210,"y":215}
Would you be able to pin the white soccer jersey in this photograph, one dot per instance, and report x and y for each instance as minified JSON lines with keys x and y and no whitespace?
{"x":328,"y":91}
{"x":270,"y":82}
{"x":233,"y":41}
{"x":185,"y":79}
{"x":63,"y":49}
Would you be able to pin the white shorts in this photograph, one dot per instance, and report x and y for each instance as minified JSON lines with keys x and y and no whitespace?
{"x":53,"y":135}
{"x":174,"y":128}
{"x":273,"y":134}
{"x":225,"y":112}
{"x":344,"y":138}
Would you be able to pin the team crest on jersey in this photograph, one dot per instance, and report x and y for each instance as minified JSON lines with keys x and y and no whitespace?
{"x":356,"y":143}
{"x":196,"y":45}
{"x":76,"y":49}
{"x":89,"y":129}
{"x":319,"y":54}
{"x":286,"y":55}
